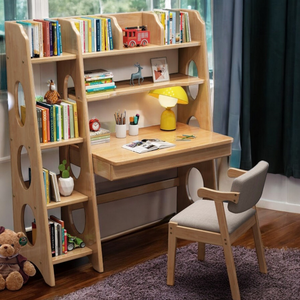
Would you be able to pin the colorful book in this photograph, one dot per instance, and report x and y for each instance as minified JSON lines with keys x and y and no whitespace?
{"x":51,"y":119}
{"x":55,"y":36}
{"x":58,"y":122}
{"x":54,"y":195}
{"x":75,"y":115}
{"x":47,"y":184}
{"x":39,"y":122}
{"x":99,"y":89}
{"x":71,"y":119}
{"x":101,"y":85}
{"x":99,"y":81}
{"x":97,"y":74}
{"x":66,"y":120}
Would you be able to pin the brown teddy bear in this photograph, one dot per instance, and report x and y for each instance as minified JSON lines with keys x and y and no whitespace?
{"x":15,"y":269}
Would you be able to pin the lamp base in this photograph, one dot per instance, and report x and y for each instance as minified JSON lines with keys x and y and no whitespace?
{"x":168,"y":120}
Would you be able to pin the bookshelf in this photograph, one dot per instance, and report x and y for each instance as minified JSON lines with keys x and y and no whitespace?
{"x":79,"y":151}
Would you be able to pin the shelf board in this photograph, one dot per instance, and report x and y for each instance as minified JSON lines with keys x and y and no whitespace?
{"x":141,"y":49}
{"x":64,"y":56}
{"x":75,"y":198}
{"x":74,"y":254}
{"x":124,"y":88}
{"x":61,"y":143}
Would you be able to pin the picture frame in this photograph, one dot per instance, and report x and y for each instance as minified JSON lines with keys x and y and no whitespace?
{"x":160,"y":71}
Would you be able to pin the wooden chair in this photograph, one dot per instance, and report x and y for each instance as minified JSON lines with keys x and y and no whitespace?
{"x":222,"y":221}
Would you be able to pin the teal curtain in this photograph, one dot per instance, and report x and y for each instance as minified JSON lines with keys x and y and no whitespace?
{"x":270,"y":122}
{"x":227,"y":37}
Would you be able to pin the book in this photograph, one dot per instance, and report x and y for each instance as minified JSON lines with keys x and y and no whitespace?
{"x":62,"y":223}
{"x":51,"y":119}
{"x":56,"y":34}
{"x":66,"y":120}
{"x":147,"y":145}
{"x":52,"y":236}
{"x":37,"y":38}
{"x":100,"y":89}
{"x":54,"y":195}
{"x":47,"y":184}
{"x":75,"y":116}
{"x":101,"y":132}
{"x":97,"y":74}
{"x":58,"y":122}
{"x":33,"y":226}
{"x":39,"y":123}
{"x":71,"y":119}
{"x":23,"y":113}
{"x":101,"y":85}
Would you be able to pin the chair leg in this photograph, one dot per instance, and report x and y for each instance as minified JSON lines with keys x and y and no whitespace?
{"x":234,"y":286}
{"x":259,"y":247}
{"x":201,"y":251}
{"x":172,"y":243}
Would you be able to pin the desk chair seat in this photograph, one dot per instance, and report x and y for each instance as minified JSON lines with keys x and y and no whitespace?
{"x":220,"y":220}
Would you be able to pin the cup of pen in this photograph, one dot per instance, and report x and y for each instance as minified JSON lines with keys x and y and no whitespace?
{"x":133,"y":125}
{"x":120,"y":131}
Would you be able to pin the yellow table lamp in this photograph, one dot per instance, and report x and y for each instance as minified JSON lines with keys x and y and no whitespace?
{"x":168,"y":98}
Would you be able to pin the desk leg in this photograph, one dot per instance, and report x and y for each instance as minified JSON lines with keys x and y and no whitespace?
{"x":208,"y":172}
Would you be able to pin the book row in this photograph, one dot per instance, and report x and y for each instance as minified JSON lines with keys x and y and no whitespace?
{"x":95,"y":33}
{"x":61,"y":241}
{"x":176,"y":25}
{"x":56,"y":122}
{"x":44,"y":37}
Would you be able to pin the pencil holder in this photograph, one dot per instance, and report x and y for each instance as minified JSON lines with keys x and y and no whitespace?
{"x":121,"y":131}
{"x":133,"y":129}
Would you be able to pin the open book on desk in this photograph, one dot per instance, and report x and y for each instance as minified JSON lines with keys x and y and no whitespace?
{"x":147,"y":145}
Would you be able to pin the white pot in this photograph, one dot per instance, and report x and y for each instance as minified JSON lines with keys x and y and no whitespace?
{"x":66,"y":186}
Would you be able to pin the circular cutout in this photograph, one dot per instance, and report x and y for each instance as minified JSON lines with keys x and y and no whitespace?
{"x":194,"y":182}
{"x":29,"y":215}
{"x":193,"y":122}
{"x":24,"y":167}
{"x":193,"y":89}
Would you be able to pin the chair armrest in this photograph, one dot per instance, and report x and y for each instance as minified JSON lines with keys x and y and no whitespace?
{"x":233,"y":172}
{"x":218,"y":196}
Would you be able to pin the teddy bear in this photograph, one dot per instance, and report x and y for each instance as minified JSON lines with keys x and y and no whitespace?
{"x":52,"y":96}
{"x":15,"y":269}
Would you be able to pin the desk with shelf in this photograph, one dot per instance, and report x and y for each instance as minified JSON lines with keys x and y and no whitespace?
{"x":113,"y":162}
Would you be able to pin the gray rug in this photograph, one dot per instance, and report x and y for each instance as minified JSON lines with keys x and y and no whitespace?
{"x":203,"y":280}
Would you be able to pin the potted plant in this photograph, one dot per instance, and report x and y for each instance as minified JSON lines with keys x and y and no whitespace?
{"x":65,"y":182}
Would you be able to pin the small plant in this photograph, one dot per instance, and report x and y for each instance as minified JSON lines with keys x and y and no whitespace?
{"x":64,"y":171}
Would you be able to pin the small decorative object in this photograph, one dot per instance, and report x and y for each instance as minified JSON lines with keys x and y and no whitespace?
{"x":94,"y":124}
{"x":65,"y":182}
{"x":52,"y":96}
{"x":136,"y":36}
{"x":160,"y":70}
{"x":137,"y":75}
{"x":15,"y":269}
{"x":74,"y":242}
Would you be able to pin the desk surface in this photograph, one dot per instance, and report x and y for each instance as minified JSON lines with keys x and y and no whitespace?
{"x":112,"y":162}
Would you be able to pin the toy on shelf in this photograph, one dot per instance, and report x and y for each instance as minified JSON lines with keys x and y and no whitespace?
{"x":74,"y":242}
{"x":52,"y":96}
{"x":15,"y":268}
{"x":137,"y":75}
{"x":136,"y":36}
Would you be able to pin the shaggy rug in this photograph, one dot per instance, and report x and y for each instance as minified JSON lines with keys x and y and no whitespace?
{"x":203,"y":280}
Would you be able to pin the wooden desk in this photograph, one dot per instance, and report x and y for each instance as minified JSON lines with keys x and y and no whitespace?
{"x":113,"y":162}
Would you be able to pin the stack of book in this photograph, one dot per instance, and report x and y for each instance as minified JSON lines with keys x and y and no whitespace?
{"x":95,"y":33}
{"x":44,"y":37}
{"x":176,"y":25}
{"x":98,"y":80}
{"x":55,"y":122}
{"x":100,"y":136}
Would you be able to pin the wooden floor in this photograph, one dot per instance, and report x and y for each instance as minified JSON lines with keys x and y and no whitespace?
{"x":279,"y":230}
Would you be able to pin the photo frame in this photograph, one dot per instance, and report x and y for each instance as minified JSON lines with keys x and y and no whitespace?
{"x":160,"y":71}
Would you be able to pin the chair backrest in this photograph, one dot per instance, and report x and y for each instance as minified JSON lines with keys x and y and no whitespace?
{"x":250,"y":186}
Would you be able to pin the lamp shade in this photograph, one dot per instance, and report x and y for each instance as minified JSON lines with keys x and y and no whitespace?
{"x":169,"y":97}
{"x":175,"y":92}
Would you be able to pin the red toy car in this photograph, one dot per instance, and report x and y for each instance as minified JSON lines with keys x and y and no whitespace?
{"x":136,"y":36}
